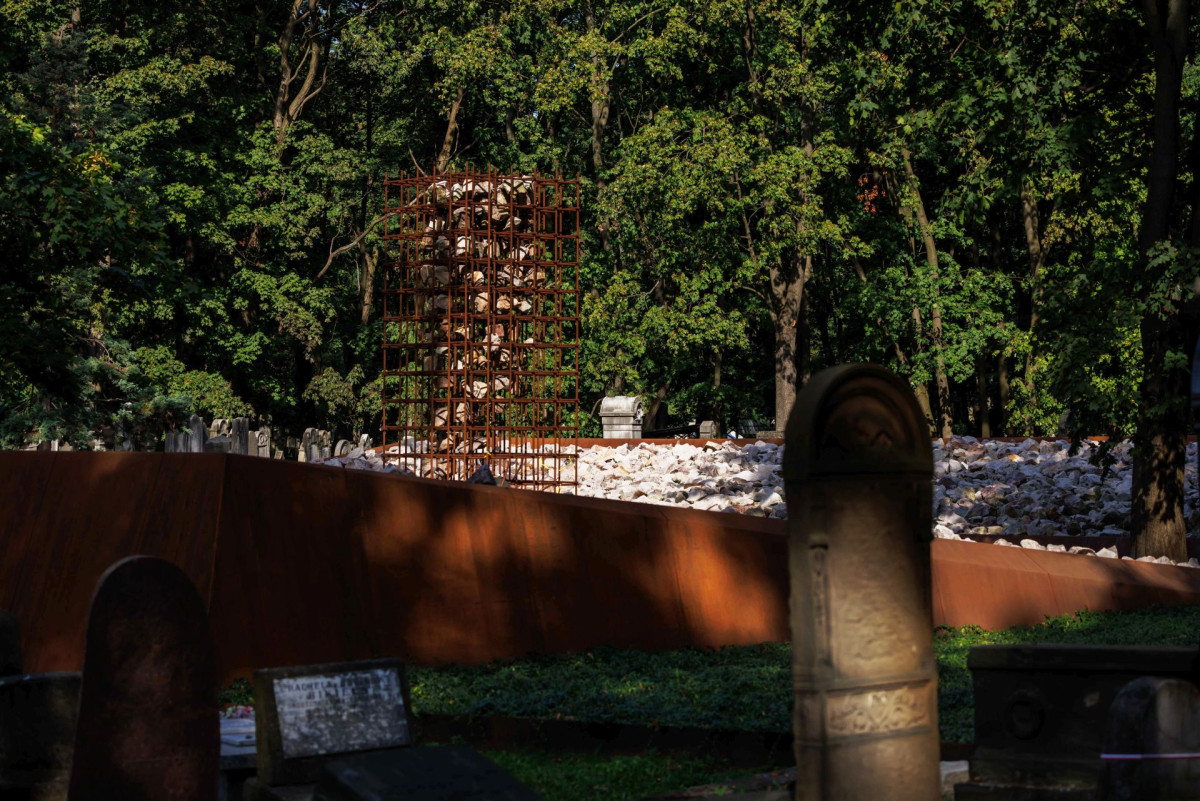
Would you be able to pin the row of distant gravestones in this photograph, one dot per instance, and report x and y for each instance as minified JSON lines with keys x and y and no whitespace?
{"x":235,"y":436}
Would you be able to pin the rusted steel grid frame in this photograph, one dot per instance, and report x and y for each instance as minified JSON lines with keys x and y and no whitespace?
{"x":481,"y":325}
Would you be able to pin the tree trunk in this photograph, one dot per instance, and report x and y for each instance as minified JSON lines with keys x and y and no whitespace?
{"x":787,"y":294}
{"x":981,"y":405}
{"x":941,"y":379}
{"x":601,"y":109}
{"x":1005,"y":392}
{"x":1157,"y":524}
{"x":450,"y":138}
{"x":1037,"y":260}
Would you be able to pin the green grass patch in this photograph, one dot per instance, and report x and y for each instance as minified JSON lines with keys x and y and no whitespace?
{"x":743,"y":687}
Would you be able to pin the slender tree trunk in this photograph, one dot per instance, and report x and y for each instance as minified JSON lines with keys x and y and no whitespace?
{"x":601,"y":109}
{"x":787,"y":295}
{"x":941,"y":378}
{"x":1005,"y":392}
{"x":1157,"y":524}
{"x":450,"y":138}
{"x":981,"y":404}
{"x":1037,"y":261}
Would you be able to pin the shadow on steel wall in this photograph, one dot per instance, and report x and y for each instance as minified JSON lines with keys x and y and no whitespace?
{"x":303,"y":564}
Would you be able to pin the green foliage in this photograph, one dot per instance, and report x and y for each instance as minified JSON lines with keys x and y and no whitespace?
{"x":179,"y":217}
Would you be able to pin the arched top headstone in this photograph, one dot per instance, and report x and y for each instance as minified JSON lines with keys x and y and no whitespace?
{"x":856,"y":419}
{"x":147,"y":728}
{"x":858,"y":467}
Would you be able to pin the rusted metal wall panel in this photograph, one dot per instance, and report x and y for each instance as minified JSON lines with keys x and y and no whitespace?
{"x":996,"y":587}
{"x":303,"y":564}
{"x":69,"y":516}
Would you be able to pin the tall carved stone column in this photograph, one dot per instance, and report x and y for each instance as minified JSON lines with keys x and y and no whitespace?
{"x":858,"y":467}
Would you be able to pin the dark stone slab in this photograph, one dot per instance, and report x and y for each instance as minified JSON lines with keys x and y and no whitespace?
{"x":419,"y":774}
{"x":858,"y":467}
{"x":10,"y":645}
{"x":148,"y":729}
{"x":37,"y":731}
{"x":306,"y":714}
{"x":1152,"y":722}
{"x":1041,"y":712}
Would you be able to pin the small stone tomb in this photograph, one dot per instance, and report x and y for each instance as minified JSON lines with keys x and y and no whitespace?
{"x":1152,"y":745}
{"x":306,"y":714}
{"x":147,"y":728}
{"x":1041,"y":713}
{"x":858,"y":467}
{"x":419,"y":774}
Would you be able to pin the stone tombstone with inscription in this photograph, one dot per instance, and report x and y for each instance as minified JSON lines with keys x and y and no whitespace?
{"x":858,"y":468}
{"x":147,"y":728}
{"x":307,"y":714}
{"x":1152,"y":743}
{"x":240,"y":436}
{"x":262,"y":443}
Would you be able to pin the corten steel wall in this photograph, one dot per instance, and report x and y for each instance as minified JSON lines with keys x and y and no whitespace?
{"x":303,"y":564}
{"x":481,"y":324}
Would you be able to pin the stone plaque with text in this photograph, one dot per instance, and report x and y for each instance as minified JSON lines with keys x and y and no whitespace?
{"x":307,"y":714}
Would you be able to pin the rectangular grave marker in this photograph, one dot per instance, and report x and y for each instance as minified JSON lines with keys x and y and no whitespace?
{"x":305,"y":714}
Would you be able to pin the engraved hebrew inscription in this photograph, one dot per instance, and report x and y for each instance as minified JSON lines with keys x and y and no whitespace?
{"x":330,"y":714}
{"x":878,"y":711}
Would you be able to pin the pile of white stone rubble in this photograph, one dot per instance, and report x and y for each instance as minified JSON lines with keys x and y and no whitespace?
{"x":1014,"y":490}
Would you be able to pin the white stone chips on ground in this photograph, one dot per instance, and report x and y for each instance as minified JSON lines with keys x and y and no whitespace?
{"x":1015,"y":490}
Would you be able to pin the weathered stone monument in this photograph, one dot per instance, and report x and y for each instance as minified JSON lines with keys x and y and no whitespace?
{"x":147,"y":727}
{"x":621,"y":417}
{"x":198,"y":436}
{"x":306,"y":714}
{"x":858,"y":467}
{"x":1152,"y":745}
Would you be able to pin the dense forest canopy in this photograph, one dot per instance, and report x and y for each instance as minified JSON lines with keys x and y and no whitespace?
{"x":955,"y":190}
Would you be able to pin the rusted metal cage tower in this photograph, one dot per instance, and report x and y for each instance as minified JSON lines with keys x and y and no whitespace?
{"x":481,"y":326}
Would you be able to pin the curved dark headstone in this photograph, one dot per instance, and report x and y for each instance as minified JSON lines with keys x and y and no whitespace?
{"x":858,"y":468}
{"x":148,"y":728}
{"x":1152,"y":742}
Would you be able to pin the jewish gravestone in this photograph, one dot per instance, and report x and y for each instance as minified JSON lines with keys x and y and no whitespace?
{"x":305,"y":714}
{"x":37,"y":731}
{"x":147,"y":727}
{"x":308,"y":444}
{"x":240,"y":436}
{"x":262,"y":443}
{"x":858,"y":468}
{"x":324,"y":445}
{"x":1152,"y":743}
{"x":175,"y":442}
{"x":342,"y":448}
{"x":10,"y":644}
{"x":419,"y":774}
{"x":198,"y":436}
